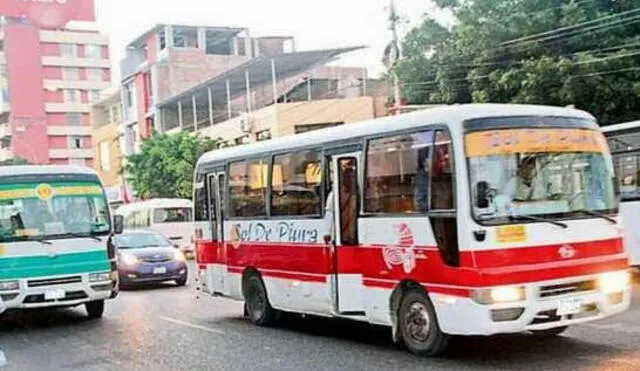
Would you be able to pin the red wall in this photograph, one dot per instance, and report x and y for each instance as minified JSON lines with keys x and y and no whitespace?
{"x":51,"y":14}
{"x":52,"y":73}
{"x":51,"y":50}
{"x":25,"y":72}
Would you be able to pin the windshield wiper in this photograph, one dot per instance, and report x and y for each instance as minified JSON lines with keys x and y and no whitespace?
{"x":515,"y":218}
{"x":84,"y":235}
{"x":42,"y":241}
{"x":598,"y":215}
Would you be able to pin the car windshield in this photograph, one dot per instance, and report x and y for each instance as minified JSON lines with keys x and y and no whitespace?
{"x":551,"y":173}
{"x":55,"y":210}
{"x":141,"y":240}
{"x":172,"y":215}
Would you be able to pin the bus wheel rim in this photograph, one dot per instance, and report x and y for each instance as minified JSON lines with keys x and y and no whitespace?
{"x":417,"y":322}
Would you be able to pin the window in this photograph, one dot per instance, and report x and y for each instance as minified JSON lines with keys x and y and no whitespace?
{"x":172,"y":215}
{"x":397,"y":179}
{"x":105,"y":161}
{"x":200,"y":199}
{"x":114,"y":113}
{"x":94,"y":74}
{"x":295,"y":180}
{"x":71,"y":96}
{"x":74,"y":119}
{"x":69,"y":73}
{"x":242,"y":140}
{"x":94,"y":96}
{"x":75,"y":142}
{"x":128,"y":95}
{"x":93,"y":51}
{"x":248,"y":188}
{"x":263,"y":135}
{"x":442,"y":179}
{"x":68,"y":50}
{"x":626,"y":168}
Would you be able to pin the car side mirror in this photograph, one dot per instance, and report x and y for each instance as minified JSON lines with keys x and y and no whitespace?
{"x":482,"y":195}
{"x":118,"y":224}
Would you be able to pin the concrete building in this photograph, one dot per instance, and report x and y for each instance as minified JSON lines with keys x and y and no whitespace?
{"x":49,"y":76}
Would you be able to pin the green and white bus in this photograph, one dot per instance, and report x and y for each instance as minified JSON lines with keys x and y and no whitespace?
{"x":55,"y":239}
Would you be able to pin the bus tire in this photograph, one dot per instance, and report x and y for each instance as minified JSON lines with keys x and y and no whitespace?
{"x":95,"y":309}
{"x":258,"y":307}
{"x":418,"y":325}
{"x":550,"y":332}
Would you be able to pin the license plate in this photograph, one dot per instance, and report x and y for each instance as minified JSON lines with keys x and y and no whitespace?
{"x":160,"y":270}
{"x":54,"y":294}
{"x":567,"y":307}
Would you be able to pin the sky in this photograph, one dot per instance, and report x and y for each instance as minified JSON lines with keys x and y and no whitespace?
{"x":315,"y":24}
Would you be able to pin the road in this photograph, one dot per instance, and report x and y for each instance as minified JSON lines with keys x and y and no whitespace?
{"x":168,"y":328}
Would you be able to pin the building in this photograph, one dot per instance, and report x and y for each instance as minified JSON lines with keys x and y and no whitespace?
{"x":49,"y":76}
{"x":106,"y":121}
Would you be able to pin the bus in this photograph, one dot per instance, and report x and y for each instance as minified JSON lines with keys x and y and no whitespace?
{"x":457,"y":220}
{"x":55,"y":239}
{"x":624,"y":142}
{"x":173,"y":217}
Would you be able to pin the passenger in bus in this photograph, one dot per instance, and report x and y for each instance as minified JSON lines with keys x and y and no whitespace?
{"x":525,"y":185}
{"x":421,"y":187}
{"x":329,"y":218}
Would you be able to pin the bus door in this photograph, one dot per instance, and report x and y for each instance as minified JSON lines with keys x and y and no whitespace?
{"x":216,"y":197}
{"x":347,"y":280}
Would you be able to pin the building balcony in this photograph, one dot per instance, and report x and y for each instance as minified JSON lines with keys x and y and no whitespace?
{"x":53,"y":85}
{"x":69,"y":130}
{"x":5,"y":130}
{"x":67,"y":107}
{"x":71,"y":37}
{"x":75,"y":62}
{"x":5,"y":154}
{"x":70,"y":153}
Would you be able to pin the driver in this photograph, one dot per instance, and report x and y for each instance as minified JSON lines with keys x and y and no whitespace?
{"x":526,"y":185}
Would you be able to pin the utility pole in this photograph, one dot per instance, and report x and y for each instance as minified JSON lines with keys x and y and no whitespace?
{"x":393,"y":54}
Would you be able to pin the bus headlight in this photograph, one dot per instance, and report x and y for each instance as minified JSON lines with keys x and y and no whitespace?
{"x":613,"y":282}
{"x":179,"y":256}
{"x":129,"y":259}
{"x":505,"y":294}
{"x":98,"y":277}
{"x":9,"y":286}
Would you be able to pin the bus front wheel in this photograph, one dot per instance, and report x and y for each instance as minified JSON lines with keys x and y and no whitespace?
{"x":419,"y":326}
{"x":95,"y":309}
{"x":257,"y":302}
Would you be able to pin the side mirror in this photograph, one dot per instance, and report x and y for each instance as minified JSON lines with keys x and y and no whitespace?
{"x":482,"y":195}
{"x":118,"y":224}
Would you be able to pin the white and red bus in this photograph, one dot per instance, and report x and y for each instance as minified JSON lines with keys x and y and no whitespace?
{"x":458,"y":220}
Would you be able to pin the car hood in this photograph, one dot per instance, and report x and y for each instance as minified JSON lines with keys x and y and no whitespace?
{"x":150,"y":252}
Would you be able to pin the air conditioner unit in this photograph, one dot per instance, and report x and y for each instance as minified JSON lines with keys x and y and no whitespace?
{"x":246,"y":123}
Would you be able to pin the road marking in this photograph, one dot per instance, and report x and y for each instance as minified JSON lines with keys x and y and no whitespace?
{"x":192,"y":325}
{"x":3,"y":359}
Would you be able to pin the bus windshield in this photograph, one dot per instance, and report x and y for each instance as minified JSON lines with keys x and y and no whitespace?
{"x":43,"y":211}
{"x":550,"y":173}
{"x":172,"y":215}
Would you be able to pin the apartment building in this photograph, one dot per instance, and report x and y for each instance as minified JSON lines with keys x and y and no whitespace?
{"x":49,"y":77}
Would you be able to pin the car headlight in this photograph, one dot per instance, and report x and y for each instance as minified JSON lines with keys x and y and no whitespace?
{"x":99,"y":277}
{"x":9,"y":286}
{"x":505,"y":294}
{"x":129,"y":259}
{"x":179,"y":256}
{"x":614,"y":282}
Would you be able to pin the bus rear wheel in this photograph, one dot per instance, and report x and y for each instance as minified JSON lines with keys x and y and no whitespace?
{"x":95,"y":309}
{"x":257,"y":306}
{"x":419,"y":326}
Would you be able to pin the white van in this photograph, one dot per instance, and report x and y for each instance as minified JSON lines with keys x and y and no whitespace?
{"x":170,"y":216}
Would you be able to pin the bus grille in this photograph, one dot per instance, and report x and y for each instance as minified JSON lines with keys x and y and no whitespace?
{"x":567,"y":288}
{"x":54,"y":281}
{"x":70,"y":295}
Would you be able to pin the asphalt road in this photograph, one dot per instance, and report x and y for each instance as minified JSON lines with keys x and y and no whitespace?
{"x":168,"y":328}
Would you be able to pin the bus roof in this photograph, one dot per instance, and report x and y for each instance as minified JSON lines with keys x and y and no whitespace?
{"x":625,"y":126}
{"x":44,"y":169}
{"x":155,"y":203}
{"x":436,"y":115}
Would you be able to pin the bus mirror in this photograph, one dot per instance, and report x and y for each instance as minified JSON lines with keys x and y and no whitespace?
{"x":482,"y":195}
{"x":118,"y":224}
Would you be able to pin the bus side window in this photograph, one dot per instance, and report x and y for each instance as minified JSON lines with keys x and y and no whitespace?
{"x":443,"y":221}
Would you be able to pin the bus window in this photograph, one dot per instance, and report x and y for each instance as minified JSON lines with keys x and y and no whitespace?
{"x":397,"y":179}
{"x":200,"y":200}
{"x":248,"y":188}
{"x":295,"y":182}
{"x":627,"y":170}
{"x":172,"y":215}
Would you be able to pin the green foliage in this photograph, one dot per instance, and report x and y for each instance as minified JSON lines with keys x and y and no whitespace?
{"x":15,"y":161}
{"x":591,"y":67}
{"x":165,"y":164}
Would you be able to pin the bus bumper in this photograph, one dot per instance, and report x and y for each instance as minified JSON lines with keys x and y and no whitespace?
{"x":542,"y":310}
{"x":60,"y":291}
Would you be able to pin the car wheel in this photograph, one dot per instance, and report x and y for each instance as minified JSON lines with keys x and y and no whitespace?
{"x":182,"y":281}
{"x":419,"y":326}
{"x":95,"y":309}
{"x":550,"y":332}
{"x":258,"y":307}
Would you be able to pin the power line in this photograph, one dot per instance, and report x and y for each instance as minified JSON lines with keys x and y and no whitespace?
{"x":606,"y":72}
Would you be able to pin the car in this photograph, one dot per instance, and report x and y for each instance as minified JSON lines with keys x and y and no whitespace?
{"x":146,"y":257}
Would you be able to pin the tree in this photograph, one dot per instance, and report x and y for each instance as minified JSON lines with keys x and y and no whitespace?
{"x":579,"y":52}
{"x":165,"y":164}
{"x":15,"y":161}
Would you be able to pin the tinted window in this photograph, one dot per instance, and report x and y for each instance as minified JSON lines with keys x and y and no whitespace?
{"x":442,"y":179}
{"x":397,"y":173}
{"x":296,"y":183}
{"x":248,"y":188}
{"x":200,"y":200}
{"x":626,"y":168}
{"x":172,"y":215}
{"x":141,"y":240}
